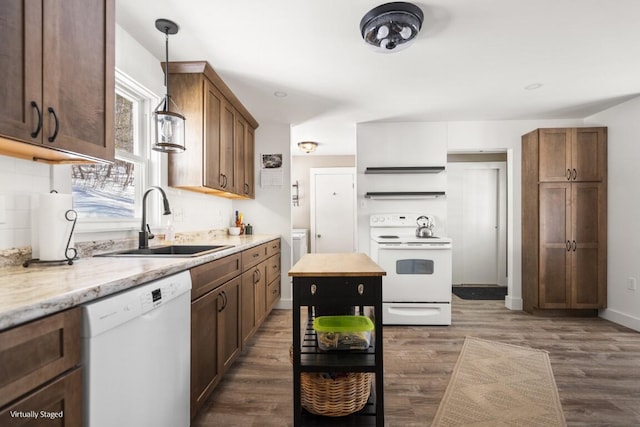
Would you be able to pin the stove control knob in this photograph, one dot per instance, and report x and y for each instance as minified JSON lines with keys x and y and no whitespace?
{"x":381,"y":219}
{"x":374,"y":219}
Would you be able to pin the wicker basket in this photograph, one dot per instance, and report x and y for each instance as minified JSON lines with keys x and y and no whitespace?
{"x":331,"y":397}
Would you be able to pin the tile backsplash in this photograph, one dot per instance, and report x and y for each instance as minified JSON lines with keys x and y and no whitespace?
{"x":19,"y":180}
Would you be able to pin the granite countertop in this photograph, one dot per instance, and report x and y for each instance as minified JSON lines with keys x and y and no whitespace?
{"x":39,"y":290}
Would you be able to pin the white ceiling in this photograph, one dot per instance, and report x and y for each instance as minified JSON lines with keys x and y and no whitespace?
{"x":471,"y":61}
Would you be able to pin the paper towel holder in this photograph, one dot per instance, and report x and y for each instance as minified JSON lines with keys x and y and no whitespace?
{"x":70,"y":254}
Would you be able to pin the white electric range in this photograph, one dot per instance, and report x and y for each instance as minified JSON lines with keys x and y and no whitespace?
{"x":417,"y":287}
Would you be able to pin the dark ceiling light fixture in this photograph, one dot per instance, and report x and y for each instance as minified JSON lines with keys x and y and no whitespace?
{"x":391,"y":26}
{"x":169,"y":126}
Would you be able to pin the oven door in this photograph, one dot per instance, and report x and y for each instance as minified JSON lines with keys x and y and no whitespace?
{"x":415,"y":273}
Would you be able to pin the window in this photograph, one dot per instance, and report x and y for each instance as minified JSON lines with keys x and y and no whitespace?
{"x":112,"y":193}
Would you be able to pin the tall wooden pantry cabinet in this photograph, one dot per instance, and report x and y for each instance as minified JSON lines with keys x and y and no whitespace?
{"x":564,"y":219}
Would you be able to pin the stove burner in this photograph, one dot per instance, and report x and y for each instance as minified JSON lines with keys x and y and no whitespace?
{"x":388,"y":236}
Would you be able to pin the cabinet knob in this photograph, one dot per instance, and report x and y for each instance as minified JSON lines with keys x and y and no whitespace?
{"x":314,"y":288}
{"x":360,"y":289}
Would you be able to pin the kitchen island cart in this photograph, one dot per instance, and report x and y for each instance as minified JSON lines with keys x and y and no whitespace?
{"x":326,"y":280}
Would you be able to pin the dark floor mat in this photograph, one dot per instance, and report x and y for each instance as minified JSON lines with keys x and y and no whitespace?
{"x":480,"y":292}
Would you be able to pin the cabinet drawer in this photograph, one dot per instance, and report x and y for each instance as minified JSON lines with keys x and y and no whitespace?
{"x":254,"y":256}
{"x":273,"y":247}
{"x":273,"y":268}
{"x":273,"y":292}
{"x":209,"y":276}
{"x":347,"y":290}
{"x":61,"y":400}
{"x":37,"y":352}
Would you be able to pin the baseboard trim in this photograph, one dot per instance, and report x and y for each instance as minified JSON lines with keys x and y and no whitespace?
{"x":620,"y":318}
{"x":513,"y":303}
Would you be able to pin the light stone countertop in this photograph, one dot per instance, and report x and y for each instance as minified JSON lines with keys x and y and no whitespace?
{"x":39,"y":290}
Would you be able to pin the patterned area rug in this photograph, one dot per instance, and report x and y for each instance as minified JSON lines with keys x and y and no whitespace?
{"x":495,"y":384}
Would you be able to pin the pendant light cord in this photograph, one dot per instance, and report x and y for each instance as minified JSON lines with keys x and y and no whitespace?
{"x":166,"y":70}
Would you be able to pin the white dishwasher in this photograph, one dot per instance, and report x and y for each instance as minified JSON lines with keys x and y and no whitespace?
{"x":136,"y":355}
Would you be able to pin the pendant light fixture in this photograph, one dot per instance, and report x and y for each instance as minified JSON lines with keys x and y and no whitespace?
{"x":391,"y":27}
{"x":169,"y":125}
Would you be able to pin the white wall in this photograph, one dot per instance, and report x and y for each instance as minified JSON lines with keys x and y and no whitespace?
{"x":270,"y":211}
{"x":623,"y":211}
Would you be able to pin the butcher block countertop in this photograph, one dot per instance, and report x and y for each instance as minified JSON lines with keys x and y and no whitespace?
{"x":332,"y":265}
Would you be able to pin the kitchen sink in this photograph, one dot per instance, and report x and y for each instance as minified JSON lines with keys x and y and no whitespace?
{"x":171,"y":251}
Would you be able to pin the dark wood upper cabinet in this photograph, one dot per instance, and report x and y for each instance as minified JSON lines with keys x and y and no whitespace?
{"x":572,"y":154}
{"x":59,"y":79}
{"x":219,"y":131}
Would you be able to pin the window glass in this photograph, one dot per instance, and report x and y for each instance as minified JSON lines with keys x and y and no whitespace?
{"x":104,"y":190}
{"x":414,"y":266}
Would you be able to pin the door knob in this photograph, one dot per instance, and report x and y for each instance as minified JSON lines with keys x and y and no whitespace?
{"x":318,"y":236}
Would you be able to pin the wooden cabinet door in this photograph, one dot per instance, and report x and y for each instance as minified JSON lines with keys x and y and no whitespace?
{"x":212,"y":128}
{"x":554,"y":155}
{"x":240,"y":133}
{"x":229,"y":338}
{"x":260,"y":292}
{"x":249,"y":164}
{"x":555,"y":255}
{"x":227,"y":123}
{"x":588,"y":246}
{"x":21,"y":65}
{"x":64,"y":395}
{"x":78,"y":76}
{"x":588,"y":154}
{"x":205,"y":369}
{"x":248,"y":314}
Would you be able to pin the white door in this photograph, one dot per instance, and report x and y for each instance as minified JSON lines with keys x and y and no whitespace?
{"x":476,"y":200}
{"x":333,"y":216}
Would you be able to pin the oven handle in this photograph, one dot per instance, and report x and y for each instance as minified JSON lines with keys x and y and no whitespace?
{"x":406,"y":246}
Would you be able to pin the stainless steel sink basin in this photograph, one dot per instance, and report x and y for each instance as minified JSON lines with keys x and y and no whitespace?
{"x":171,"y":251}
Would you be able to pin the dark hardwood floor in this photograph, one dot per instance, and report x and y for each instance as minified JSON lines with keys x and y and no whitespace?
{"x":596,"y":365}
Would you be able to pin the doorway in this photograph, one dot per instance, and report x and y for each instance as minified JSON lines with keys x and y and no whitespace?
{"x":477,"y":218}
{"x":333,"y":210}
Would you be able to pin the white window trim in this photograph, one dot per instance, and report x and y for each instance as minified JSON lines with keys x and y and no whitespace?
{"x":129,"y":88}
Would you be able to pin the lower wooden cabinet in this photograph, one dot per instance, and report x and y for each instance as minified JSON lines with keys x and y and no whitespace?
{"x":39,"y":371}
{"x":231,"y":297}
{"x":57,"y":404}
{"x":215,"y":339}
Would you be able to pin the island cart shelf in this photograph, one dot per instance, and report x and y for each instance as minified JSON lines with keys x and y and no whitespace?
{"x":330,"y":280}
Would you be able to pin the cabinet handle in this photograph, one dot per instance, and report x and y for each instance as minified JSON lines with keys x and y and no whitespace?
{"x":219,"y":298}
{"x":256,"y":255}
{"x":574,"y":246}
{"x":39,"y":127}
{"x":314,"y":289}
{"x":224,"y":298}
{"x":575,"y":174}
{"x":360,"y":289}
{"x":246,"y":188}
{"x":568,"y":245}
{"x":259,"y":274}
{"x":57,"y":128}
{"x":568,"y":174}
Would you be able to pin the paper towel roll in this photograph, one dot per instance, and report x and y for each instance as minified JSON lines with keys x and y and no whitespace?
{"x":53,"y":227}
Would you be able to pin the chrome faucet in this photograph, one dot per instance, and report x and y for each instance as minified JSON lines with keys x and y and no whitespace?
{"x":145,"y":232}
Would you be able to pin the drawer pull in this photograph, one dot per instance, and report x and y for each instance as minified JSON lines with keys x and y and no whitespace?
{"x":360,"y":289}
{"x":314,"y":288}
